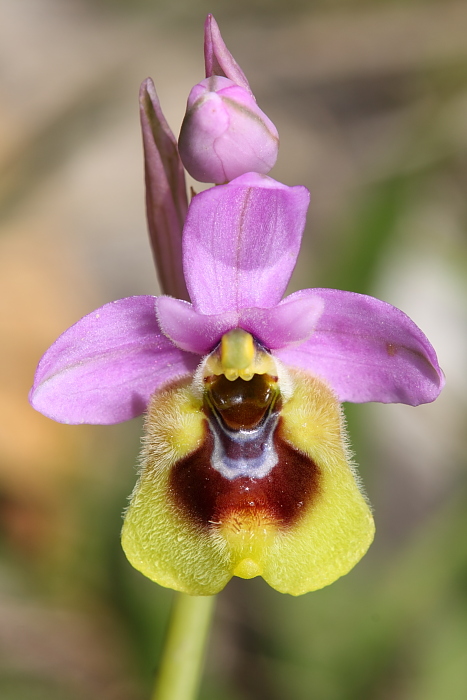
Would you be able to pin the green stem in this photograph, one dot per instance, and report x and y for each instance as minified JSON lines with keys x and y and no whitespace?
{"x":183,"y":655}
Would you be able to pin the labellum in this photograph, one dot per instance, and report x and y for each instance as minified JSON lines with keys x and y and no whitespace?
{"x":246,"y":472}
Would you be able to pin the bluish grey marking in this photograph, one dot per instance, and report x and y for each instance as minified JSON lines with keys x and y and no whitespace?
{"x":239,"y":453}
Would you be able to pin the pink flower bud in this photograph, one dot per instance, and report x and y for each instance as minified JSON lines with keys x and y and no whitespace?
{"x":225,"y":134}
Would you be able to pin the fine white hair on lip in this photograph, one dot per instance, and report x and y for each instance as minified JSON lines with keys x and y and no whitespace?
{"x":285,"y":380}
{"x":198,"y":379}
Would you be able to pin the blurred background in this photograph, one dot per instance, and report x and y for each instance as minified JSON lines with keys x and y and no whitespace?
{"x":370,"y":100}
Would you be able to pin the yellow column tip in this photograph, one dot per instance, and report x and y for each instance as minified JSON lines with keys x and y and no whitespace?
{"x":237,"y":351}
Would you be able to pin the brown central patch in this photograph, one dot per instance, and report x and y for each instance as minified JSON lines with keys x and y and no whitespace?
{"x":207,"y":498}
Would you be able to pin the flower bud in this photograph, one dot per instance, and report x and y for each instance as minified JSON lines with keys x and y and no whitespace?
{"x":225,"y":134}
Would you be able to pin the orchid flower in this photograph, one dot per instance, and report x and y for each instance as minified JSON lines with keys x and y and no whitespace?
{"x":246,"y":469}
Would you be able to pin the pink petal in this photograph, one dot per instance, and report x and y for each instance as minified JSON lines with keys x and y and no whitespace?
{"x":241,"y":241}
{"x":166,"y":200}
{"x":190,"y":330}
{"x":217,"y":57}
{"x":290,"y":322}
{"x":105,"y":368}
{"x":368,"y":350}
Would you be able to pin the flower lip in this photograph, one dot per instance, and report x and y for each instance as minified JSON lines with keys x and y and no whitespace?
{"x":301,"y":527}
